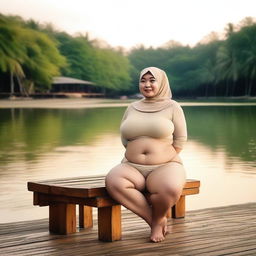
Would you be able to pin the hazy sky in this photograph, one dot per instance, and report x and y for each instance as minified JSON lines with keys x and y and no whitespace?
{"x":131,"y":22}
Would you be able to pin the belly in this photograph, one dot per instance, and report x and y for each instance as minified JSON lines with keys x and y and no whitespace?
{"x":145,"y":150}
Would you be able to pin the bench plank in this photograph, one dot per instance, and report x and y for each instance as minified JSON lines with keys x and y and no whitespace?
{"x":46,"y":199}
{"x":84,"y":187}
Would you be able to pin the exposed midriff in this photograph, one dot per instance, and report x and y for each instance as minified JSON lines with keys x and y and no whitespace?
{"x":147,"y":150}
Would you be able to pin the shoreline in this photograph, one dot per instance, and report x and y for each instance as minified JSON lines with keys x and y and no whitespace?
{"x":81,"y":103}
{"x":104,"y":103}
{"x":63,"y":103}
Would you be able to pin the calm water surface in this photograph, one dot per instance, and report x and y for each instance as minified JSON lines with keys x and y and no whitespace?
{"x":38,"y":144}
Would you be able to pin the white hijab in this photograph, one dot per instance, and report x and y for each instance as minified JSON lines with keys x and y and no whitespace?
{"x":163,"y":97}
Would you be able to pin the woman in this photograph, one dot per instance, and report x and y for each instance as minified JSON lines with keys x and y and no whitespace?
{"x":153,"y":131}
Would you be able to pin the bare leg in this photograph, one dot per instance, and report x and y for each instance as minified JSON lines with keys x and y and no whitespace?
{"x":165,"y":185}
{"x":124,"y":183}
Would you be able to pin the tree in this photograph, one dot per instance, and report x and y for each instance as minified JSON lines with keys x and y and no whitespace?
{"x":249,"y":56}
{"x":241,"y":45}
{"x":112,"y":70}
{"x":29,"y":55}
{"x":79,"y":54}
{"x":43,"y":59}
{"x":227,"y":66}
{"x":208,"y":75}
{"x":11,"y":51}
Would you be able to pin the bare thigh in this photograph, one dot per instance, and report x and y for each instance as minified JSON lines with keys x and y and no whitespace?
{"x":167,"y":178}
{"x":124,"y":175}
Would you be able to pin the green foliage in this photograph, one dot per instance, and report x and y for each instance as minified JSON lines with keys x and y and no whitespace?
{"x":43,"y":58}
{"x":236,"y":60}
{"x":79,"y":55}
{"x":12,"y":53}
{"x":34,"y":53}
{"x":112,"y":69}
{"x":37,"y":53}
{"x":108,"y":68}
{"x":29,"y":55}
{"x":216,"y":68}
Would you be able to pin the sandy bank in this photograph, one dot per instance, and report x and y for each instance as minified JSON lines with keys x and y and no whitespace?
{"x":96,"y":103}
{"x":62,"y":103}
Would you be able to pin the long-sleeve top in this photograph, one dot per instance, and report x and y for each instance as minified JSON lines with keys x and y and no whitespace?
{"x":168,"y":123}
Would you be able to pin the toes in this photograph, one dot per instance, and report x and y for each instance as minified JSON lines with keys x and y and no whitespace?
{"x":159,"y":231}
{"x":157,"y":239}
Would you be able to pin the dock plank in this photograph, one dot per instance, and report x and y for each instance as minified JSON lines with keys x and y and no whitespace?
{"x":229,"y":230}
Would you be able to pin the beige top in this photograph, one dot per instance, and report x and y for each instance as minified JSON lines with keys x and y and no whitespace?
{"x":168,"y":123}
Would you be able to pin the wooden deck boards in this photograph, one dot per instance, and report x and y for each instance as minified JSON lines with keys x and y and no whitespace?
{"x":227,"y":230}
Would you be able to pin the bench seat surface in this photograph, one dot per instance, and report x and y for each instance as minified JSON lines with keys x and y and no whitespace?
{"x":93,"y":186}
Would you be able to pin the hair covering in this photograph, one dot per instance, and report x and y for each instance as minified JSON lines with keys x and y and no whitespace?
{"x":162,"y":99}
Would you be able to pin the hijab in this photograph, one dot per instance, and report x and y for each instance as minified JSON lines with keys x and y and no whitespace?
{"x":163,"y":97}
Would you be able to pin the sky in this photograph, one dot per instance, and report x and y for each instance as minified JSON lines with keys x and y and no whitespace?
{"x":129,"y":23}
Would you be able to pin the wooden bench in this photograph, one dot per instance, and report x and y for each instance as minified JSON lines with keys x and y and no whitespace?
{"x":63,"y":195}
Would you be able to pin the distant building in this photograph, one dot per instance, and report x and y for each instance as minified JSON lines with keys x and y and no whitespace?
{"x":61,"y":87}
{"x":68,"y":86}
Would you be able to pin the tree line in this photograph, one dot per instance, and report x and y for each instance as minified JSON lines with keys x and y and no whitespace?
{"x":31,"y":54}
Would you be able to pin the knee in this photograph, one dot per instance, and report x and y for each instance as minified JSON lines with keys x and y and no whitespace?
{"x":173,"y":192}
{"x":111,"y":182}
{"x":115,"y":182}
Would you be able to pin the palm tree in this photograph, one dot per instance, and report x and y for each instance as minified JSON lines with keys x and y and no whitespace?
{"x":250,"y":67}
{"x":208,"y":75}
{"x":11,"y":51}
{"x":230,"y":29}
{"x":27,"y":51}
{"x":249,"y":55}
{"x":227,"y":66}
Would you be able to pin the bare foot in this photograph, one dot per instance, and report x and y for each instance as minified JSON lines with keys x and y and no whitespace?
{"x":159,"y":231}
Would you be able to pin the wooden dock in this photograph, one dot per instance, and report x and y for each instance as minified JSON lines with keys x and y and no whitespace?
{"x":227,"y":230}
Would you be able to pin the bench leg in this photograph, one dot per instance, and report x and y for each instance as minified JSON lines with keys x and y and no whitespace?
{"x":169,"y":213}
{"x":62,"y":218}
{"x":178,"y":210}
{"x":109,"y":223}
{"x":85,"y":216}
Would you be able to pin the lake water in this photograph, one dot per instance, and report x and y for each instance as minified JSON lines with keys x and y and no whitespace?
{"x":37,"y":144}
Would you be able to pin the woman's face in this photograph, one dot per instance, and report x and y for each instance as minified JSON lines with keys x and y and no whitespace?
{"x":148,"y":86}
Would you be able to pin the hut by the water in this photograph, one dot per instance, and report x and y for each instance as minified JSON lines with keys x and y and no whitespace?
{"x":61,"y":87}
{"x":69,"y":86}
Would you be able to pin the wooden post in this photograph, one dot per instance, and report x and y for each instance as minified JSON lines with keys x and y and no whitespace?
{"x":35,"y":198}
{"x":85,"y":216}
{"x":178,"y":210}
{"x":62,"y":218}
{"x":169,"y":213}
{"x":109,"y":223}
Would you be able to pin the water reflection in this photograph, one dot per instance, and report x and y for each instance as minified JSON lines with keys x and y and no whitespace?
{"x":53,"y":143}
{"x":27,"y":133}
{"x":228,"y":129}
